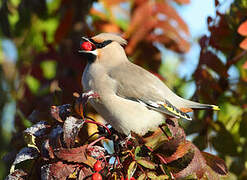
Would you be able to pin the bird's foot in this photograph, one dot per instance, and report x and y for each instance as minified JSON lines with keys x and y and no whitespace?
{"x":90,"y":94}
{"x":82,"y":100}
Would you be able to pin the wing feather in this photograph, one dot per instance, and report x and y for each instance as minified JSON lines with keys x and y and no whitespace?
{"x":145,"y":88}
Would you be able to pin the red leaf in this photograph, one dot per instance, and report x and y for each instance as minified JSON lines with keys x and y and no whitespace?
{"x":215,"y":163}
{"x":183,"y":1}
{"x":196,"y":166}
{"x":243,"y":44}
{"x":245,"y":65}
{"x":213,"y":62}
{"x":242,"y":29}
{"x":170,"y":12}
{"x":181,"y":150}
{"x":77,"y":155}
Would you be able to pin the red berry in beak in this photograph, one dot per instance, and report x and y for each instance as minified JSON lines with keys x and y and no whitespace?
{"x":87,"y":46}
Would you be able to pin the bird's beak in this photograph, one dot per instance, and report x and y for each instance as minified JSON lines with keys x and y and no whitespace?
{"x":93,"y":52}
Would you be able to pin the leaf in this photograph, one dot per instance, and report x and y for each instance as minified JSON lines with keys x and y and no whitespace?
{"x":84,"y":172}
{"x":60,"y":113}
{"x":24,"y":154}
{"x":71,"y":128}
{"x":215,"y":163}
{"x":152,"y":175}
{"x":219,"y":142}
{"x":213,"y":62}
{"x":196,"y":165}
{"x":245,"y":65}
{"x":16,"y":175}
{"x":175,"y":129}
{"x":46,"y":150}
{"x":146,"y":163}
{"x":182,"y":149}
{"x":54,"y":137}
{"x":243,"y":44}
{"x":77,"y":155}
{"x":57,"y":170}
{"x":162,"y":177}
{"x":131,"y":169}
{"x":183,"y":1}
{"x":38,"y":129}
{"x":142,"y":177}
{"x":242,"y":29}
{"x":156,"y":139}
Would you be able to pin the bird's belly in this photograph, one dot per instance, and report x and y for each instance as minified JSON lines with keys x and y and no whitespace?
{"x":126,"y":115}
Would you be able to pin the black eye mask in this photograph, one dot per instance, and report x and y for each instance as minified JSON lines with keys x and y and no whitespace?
{"x":100,"y":45}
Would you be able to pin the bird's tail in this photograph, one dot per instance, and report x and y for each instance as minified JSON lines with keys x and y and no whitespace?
{"x":196,"y":105}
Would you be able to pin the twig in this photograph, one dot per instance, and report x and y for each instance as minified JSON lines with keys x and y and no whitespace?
{"x":235,"y":59}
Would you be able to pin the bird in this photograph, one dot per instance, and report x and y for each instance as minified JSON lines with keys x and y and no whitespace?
{"x":131,"y":99}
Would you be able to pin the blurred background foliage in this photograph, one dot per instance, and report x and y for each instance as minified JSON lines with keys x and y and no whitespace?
{"x":40,"y":66}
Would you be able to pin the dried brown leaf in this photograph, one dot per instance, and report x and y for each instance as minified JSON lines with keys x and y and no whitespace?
{"x":215,"y":163}
{"x":77,"y":155}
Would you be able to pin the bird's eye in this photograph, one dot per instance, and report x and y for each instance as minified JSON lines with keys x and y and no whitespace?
{"x":87,"y":46}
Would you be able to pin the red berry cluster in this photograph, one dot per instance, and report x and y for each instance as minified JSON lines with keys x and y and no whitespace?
{"x":97,"y":167}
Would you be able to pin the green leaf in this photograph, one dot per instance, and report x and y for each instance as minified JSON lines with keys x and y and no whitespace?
{"x":49,"y":69}
{"x":32,"y":83}
{"x":162,"y":177}
{"x":142,"y":177}
{"x":152,"y":175}
{"x":132,"y":169}
{"x":146,"y":163}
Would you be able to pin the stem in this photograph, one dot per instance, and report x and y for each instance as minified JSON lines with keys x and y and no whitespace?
{"x":99,"y":124}
{"x":94,"y":142}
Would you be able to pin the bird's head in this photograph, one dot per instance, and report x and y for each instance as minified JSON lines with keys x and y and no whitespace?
{"x":103,"y":47}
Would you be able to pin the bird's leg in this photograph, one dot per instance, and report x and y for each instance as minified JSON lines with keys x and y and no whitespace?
{"x":82,"y":100}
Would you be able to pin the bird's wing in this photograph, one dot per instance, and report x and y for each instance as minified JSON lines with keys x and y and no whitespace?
{"x":137,"y":84}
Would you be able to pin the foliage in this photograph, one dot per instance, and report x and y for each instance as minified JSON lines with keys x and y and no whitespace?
{"x":58,"y":151}
{"x":44,"y":69}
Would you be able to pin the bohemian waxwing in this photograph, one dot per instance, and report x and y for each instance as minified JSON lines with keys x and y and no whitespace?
{"x":130,"y":98}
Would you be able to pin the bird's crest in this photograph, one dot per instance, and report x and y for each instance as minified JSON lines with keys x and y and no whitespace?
{"x":109,"y":36}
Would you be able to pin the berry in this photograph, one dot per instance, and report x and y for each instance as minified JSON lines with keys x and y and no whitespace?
{"x":87,"y":46}
{"x":96,"y":176}
{"x":97,"y":166}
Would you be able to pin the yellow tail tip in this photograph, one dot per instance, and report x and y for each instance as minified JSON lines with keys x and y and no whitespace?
{"x":216,"y":108}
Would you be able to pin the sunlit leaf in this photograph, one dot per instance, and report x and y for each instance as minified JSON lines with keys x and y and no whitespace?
{"x":243,"y":44}
{"x":146,"y":163}
{"x":131,"y":169}
{"x":242,"y":29}
{"x":49,"y":69}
